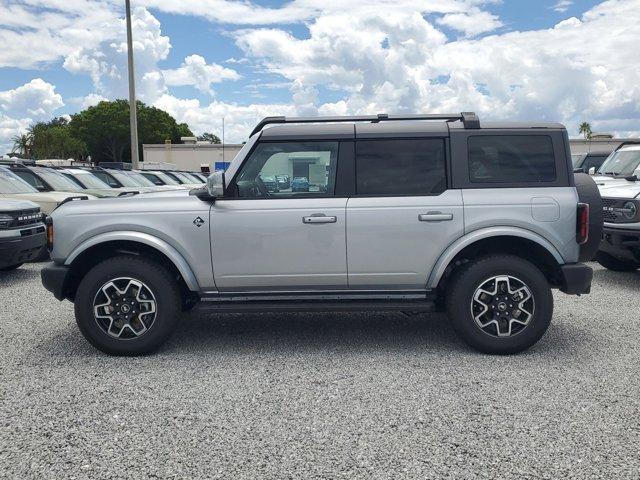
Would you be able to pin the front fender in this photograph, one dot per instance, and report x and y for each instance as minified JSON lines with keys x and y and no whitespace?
{"x":139,"y":237}
{"x":456,"y":247}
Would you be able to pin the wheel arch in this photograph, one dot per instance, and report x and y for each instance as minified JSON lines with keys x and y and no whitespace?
{"x":509,"y":240}
{"x":98,"y":248}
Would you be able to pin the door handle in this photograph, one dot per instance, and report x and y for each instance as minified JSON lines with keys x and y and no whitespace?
{"x":435,"y":217}
{"x":319,"y":218}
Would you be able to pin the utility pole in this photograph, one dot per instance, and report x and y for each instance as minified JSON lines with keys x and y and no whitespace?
{"x":223,"y":160}
{"x":133,"y":120}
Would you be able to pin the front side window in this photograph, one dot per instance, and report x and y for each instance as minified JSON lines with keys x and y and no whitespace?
{"x":31,"y":179}
{"x":288,"y":169}
{"x":511,"y":159}
{"x":400,"y":167}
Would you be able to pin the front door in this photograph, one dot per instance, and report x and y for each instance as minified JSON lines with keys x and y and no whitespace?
{"x":402,"y":216}
{"x":265,"y":237}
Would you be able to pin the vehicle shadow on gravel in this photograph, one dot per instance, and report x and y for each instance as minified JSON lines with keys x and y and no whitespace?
{"x":15,"y":277}
{"x":630,"y":280}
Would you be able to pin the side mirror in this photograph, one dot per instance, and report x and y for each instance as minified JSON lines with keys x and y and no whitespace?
{"x":216,"y":184}
{"x":592,"y":171}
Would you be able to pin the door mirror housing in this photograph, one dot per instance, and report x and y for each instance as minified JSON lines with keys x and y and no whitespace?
{"x":216,"y":184}
{"x":592,"y":171}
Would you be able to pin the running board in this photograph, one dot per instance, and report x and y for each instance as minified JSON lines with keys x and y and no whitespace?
{"x":392,"y":301}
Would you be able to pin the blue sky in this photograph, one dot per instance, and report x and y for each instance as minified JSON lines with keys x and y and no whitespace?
{"x":556,"y":60}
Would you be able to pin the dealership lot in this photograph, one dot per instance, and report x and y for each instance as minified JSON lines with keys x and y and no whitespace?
{"x":364,"y":395}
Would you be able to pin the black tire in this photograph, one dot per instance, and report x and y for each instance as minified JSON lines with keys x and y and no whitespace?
{"x":9,"y":268}
{"x":588,"y":193}
{"x":158,"y":280}
{"x":617,"y":265}
{"x":461,"y":291}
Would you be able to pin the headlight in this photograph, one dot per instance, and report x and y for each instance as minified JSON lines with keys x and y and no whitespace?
{"x":629,"y":210}
{"x":5,"y":220}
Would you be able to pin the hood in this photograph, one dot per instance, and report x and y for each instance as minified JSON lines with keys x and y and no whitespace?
{"x":47,"y":201}
{"x":627,"y":190}
{"x":603,"y":181}
{"x":9,"y":205}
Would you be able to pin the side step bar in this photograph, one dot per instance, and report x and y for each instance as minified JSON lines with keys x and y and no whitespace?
{"x":237,"y":303}
{"x":313,"y":306}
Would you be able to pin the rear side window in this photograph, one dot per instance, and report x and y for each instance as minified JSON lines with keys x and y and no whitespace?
{"x":400,"y":167}
{"x":511,"y":159}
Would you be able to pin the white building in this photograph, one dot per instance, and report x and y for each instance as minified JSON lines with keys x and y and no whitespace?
{"x":599,"y":142}
{"x":191,"y":155}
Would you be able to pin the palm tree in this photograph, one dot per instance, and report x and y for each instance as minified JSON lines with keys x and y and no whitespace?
{"x":22,"y":145}
{"x":585,"y":129}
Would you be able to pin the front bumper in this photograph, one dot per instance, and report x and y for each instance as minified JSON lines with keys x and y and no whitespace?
{"x":54,"y":278}
{"x":576,"y":278}
{"x":22,"y":248}
{"x":623,"y":243}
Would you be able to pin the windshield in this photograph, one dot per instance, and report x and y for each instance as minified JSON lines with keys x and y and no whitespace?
{"x":58,"y":182}
{"x":165,"y":178}
{"x":576,"y":159}
{"x":141,"y":179}
{"x":185,"y":178}
{"x":621,"y":163}
{"x":11,"y":183}
{"x":89,"y":180}
{"x":192,"y":178}
{"x":124,"y":179}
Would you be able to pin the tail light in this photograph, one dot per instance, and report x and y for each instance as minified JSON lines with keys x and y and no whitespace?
{"x":49,"y":223}
{"x":582,"y":224}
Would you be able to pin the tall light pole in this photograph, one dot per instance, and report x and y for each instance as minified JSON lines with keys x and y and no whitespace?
{"x":223,"y":160}
{"x":133,"y":120}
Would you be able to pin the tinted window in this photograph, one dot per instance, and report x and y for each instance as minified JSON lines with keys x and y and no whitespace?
{"x":593,"y":161}
{"x":511,"y":159}
{"x":400,"y":167}
{"x":289,"y":169}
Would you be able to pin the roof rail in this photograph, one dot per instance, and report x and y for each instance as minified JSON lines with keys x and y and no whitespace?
{"x":469,"y":119}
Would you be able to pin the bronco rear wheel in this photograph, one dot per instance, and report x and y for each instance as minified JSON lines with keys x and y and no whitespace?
{"x":500,"y":304}
{"x":127,"y":305}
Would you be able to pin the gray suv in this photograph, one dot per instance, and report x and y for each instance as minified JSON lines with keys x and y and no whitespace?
{"x":410,"y":213}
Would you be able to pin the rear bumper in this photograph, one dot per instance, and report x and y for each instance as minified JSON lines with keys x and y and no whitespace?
{"x":576,"y":278}
{"x":21,"y":249}
{"x":54,"y":278}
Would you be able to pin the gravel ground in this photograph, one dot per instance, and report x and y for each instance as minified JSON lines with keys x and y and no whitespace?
{"x":321,"y":396}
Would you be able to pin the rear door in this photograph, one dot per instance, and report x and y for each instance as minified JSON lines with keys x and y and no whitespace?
{"x":403,"y":215}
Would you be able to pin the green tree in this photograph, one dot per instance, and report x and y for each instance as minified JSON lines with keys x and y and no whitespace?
{"x":104,"y":128}
{"x":209,"y":137}
{"x":54,"y":139}
{"x":585,"y":129}
{"x":21,"y":145}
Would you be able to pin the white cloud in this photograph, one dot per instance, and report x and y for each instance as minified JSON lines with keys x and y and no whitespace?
{"x":195,"y":71}
{"x":471,"y":24}
{"x":36,"y":100}
{"x":106,"y":63}
{"x":562,"y":6}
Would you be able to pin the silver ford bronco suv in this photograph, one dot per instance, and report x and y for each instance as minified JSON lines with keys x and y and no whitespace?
{"x":410,"y":213}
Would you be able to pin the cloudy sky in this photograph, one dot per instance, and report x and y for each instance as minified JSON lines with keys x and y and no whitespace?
{"x":559,"y":60}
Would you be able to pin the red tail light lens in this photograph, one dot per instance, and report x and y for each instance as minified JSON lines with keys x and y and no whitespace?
{"x":582,"y":227}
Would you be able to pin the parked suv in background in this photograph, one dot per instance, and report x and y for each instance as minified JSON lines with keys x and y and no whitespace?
{"x":413,"y":213}
{"x":589,"y":162}
{"x":22,"y":233}
{"x":620,"y":246}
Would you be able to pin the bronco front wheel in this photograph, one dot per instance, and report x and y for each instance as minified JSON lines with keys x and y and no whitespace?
{"x":127,"y":305}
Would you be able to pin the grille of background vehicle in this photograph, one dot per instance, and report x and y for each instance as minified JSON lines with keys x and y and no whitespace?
{"x":608,"y":215}
{"x":25,"y":218}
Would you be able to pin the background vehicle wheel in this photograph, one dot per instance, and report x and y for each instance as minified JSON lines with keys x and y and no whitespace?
{"x":500,"y":304}
{"x":127,"y":305}
{"x":10,"y":267}
{"x":612,"y":263}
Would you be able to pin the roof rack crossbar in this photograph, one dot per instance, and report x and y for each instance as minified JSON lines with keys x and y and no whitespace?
{"x":469,"y":119}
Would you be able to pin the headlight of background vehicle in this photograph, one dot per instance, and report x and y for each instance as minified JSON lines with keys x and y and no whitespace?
{"x":5,"y":221}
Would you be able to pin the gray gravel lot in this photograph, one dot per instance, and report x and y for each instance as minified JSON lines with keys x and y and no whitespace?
{"x":321,"y":396}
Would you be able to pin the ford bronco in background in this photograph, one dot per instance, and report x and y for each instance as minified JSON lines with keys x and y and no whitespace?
{"x":409,"y":213}
{"x":22,"y":233}
{"x":620,"y":246}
